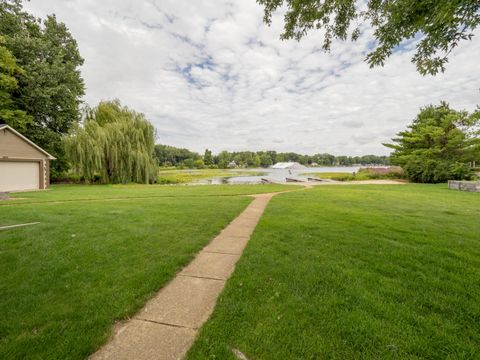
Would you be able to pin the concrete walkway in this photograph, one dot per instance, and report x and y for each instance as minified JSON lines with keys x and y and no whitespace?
{"x":166,"y":327}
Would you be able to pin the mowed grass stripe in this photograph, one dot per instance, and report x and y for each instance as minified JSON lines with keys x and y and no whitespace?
{"x":65,"y":281}
{"x":68,"y":193}
{"x":355,"y":272}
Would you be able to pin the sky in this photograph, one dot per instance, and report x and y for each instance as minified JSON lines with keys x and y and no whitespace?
{"x":211,"y":74}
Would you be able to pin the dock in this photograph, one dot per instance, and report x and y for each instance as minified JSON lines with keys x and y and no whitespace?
{"x":321,"y":180}
{"x":268,"y":181}
{"x":294,"y":180}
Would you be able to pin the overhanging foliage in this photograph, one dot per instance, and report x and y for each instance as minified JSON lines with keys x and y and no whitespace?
{"x":438,"y":25}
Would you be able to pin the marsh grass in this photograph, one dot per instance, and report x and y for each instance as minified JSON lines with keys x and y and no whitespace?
{"x":362,"y":174}
{"x":191,"y":176}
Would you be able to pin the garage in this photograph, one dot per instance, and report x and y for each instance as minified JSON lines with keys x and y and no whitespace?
{"x":19,"y":175}
{"x":23,"y":164}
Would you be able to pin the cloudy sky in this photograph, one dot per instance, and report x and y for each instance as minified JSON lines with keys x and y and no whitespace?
{"x":209,"y":73}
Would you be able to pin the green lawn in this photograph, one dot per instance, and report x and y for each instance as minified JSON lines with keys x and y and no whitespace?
{"x":65,"y":281}
{"x":99,"y":192}
{"x":357,"y":272}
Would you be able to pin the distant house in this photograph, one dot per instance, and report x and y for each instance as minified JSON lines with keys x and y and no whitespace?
{"x":288,"y":165}
{"x":232,"y":164}
{"x":23,"y":164}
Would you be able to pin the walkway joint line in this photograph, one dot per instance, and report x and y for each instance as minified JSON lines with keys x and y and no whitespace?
{"x":201,"y":277}
{"x":165,"y":324}
{"x":220,"y":252}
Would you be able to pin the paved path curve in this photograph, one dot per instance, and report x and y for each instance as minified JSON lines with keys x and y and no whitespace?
{"x":166,"y":327}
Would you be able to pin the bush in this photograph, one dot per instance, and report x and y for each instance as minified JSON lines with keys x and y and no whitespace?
{"x":460,"y":171}
{"x":436,"y":171}
{"x":422,"y":170}
{"x":189,"y":163}
{"x":167,"y":181}
{"x":68,"y":179}
{"x":198,"y":164}
{"x":392,"y":172}
{"x":344,"y":177}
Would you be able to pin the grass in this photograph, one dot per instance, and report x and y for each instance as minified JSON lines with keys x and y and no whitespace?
{"x":65,"y":281}
{"x":332,"y":175}
{"x":358,"y":272}
{"x":362,"y":174}
{"x":189,"y":176}
{"x":96,"y":192}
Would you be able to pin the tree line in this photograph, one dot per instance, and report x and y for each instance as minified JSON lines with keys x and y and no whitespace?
{"x":179,"y":157}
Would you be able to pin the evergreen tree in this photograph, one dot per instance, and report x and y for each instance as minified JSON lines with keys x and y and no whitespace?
{"x":438,"y":145}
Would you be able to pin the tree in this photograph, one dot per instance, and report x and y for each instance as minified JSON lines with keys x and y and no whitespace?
{"x":273,"y":155}
{"x":172,"y":156}
{"x":324,"y":159}
{"x":342,"y":160}
{"x":8,"y":85}
{"x":438,"y":145}
{"x":115,"y":143}
{"x":255,"y":161}
{"x":439,"y":25}
{"x":265,"y":160}
{"x":208,"y":158}
{"x":223,"y":159}
{"x":49,"y":87}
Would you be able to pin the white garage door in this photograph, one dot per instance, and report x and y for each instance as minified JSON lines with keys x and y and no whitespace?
{"x":19,"y":175}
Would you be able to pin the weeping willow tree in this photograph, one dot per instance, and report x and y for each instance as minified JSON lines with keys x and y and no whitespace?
{"x":113,"y":143}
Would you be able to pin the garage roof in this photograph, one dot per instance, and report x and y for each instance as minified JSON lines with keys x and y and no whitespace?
{"x":7,"y":127}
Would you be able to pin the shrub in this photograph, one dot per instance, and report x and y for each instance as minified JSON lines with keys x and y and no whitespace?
{"x":436,"y":171}
{"x":421,"y":170}
{"x":68,"y":179}
{"x":198,"y":164}
{"x":344,"y":177}
{"x":460,"y":171}
{"x":392,"y":172}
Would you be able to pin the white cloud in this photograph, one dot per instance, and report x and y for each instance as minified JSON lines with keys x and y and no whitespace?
{"x":211,"y":74}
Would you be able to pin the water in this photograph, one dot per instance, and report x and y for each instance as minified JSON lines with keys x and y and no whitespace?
{"x":277,"y":175}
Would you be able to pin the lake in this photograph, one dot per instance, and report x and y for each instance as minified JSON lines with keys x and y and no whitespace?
{"x":277,"y":175}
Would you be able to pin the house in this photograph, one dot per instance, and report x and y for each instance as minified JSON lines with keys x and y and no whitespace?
{"x":288,"y":165}
{"x":232,"y":164}
{"x":23,"y":165}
